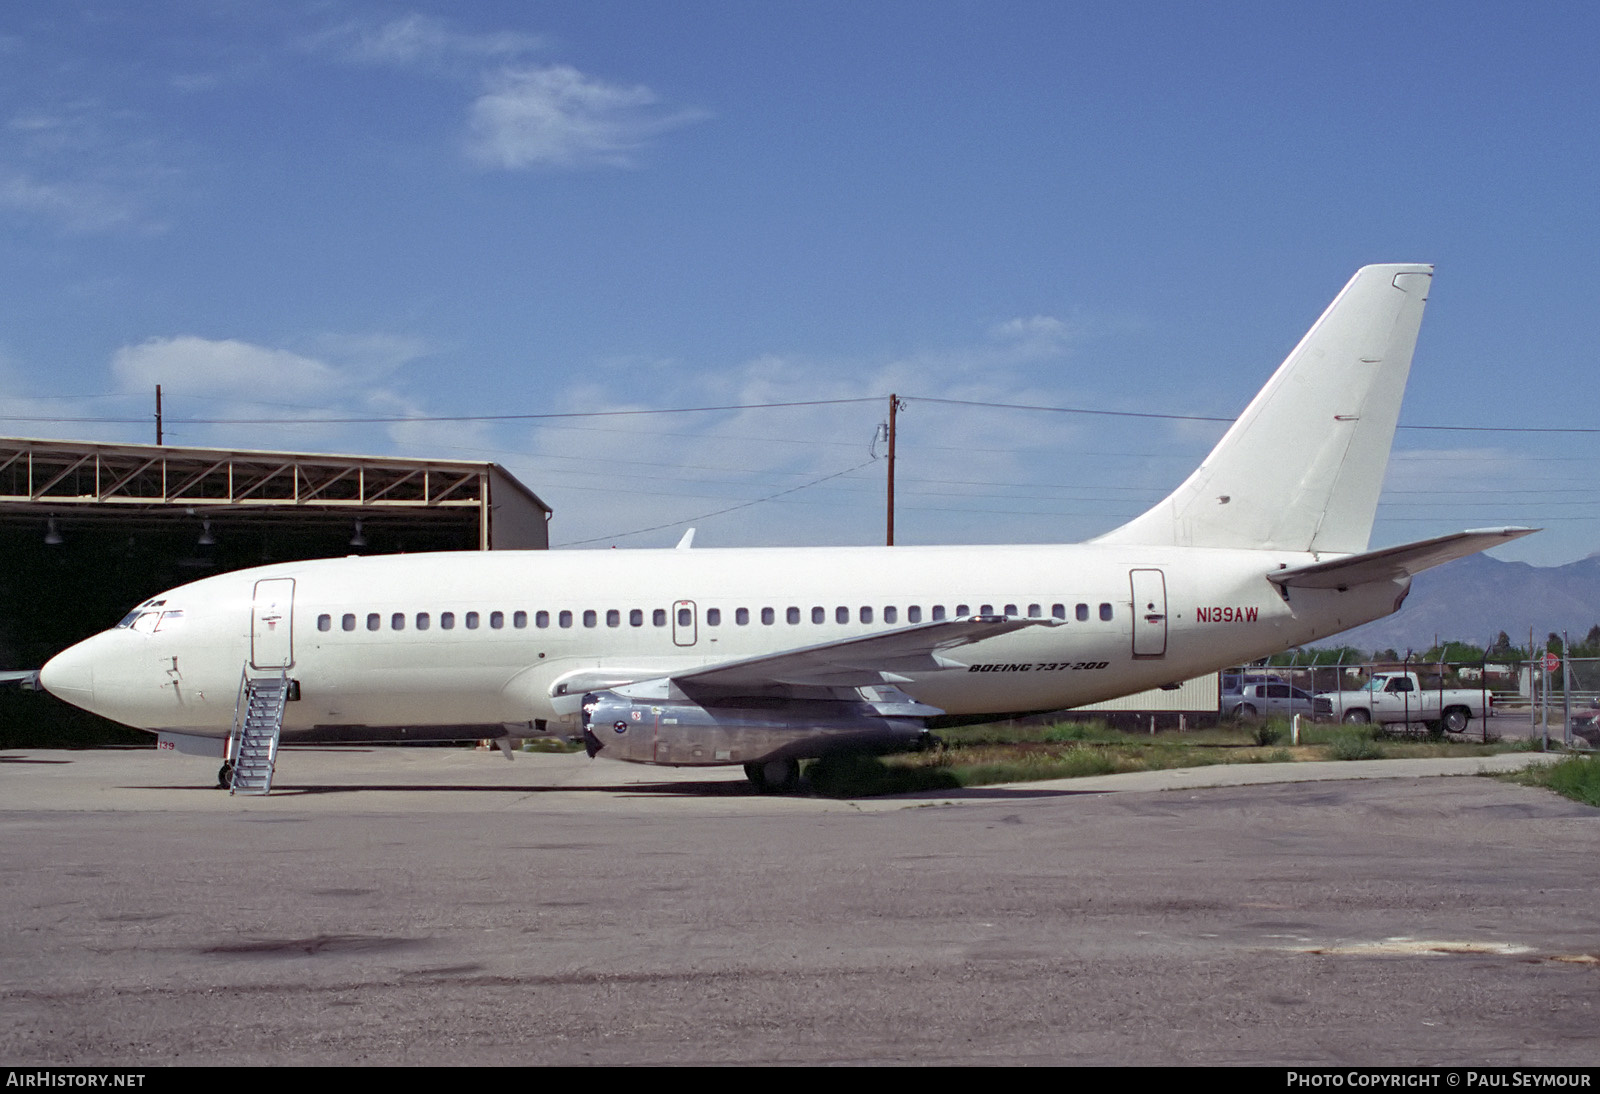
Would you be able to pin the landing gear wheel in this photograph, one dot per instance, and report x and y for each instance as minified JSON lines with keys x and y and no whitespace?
{"x":225,"y":777}
{"x":774,"y":776}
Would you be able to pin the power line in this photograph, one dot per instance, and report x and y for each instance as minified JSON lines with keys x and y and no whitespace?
{"x":408,"y":418}
{"x":419,"y":418}
{"x":719,"y":512}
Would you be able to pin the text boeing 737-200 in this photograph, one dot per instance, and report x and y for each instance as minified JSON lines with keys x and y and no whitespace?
{"x":767,"y":656}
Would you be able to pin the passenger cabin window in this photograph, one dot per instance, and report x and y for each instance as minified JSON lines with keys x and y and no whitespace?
{"x":613,"y":617}
{"x":1105,"y":611}
{"x":324,"y":622}
{"x":1011,"y":610}
{"x":447,"y":621}
{"x":1035,"y":612}
{"x":713,"y":617}
{"x":541,"y":619}
{"x":589,"y":618}
{"x":914,"y":614}
{"x":685,"y":617}
{"x":938,"y":613}
{"x":422,"y":621}
{"x":962,"y":611}
{"x":987,"y":609}
{"x":768,"y":617}
{"x":497,"y":620}
{"x":819,"y":615}
{"x":793,"y":615}
{"x":565,"y":619}
{"x":374,"y":621}
{"x":349,"y":621}
{"x":841,"y":614}
{"x":1058,"y":611}
{"x":659,"y":617}
{"x":636,"y":618}
{"x":890,"y":615}
{"x":866,"y":614}
{"x":397,"y":621}
{"x":472,"y":621}
{"x":1083,"y":613}
{"x":741,"y":616}
{"x":519,"y":620}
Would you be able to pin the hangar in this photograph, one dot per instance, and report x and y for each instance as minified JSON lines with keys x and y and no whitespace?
{"x":89,"y":529}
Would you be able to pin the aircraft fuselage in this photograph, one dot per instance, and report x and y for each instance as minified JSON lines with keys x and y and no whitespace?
{"x":475,"y":644}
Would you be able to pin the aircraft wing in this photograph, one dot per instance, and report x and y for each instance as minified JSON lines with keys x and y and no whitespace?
{"x":1392,"y":563}
{"x":852,"y":662}
{"x":28,"y":679}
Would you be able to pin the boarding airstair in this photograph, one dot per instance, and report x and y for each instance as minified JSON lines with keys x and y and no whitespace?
{"x":257,"y":720}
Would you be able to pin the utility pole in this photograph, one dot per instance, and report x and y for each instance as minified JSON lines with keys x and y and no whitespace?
{"x":158,"y":414}
{"x":894,"y":406}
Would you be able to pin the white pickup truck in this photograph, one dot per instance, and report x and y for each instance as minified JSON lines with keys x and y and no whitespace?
{"x":1393,"y":698}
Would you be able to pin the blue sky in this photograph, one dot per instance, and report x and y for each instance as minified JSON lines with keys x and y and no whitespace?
{"x":344,"y":209}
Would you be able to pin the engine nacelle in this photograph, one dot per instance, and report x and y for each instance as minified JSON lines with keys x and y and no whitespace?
{"x":682,"y":733}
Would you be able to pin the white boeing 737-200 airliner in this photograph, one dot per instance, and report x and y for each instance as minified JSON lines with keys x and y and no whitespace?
{"x":766,"y":656}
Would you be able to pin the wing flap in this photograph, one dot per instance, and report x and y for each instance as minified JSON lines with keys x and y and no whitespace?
{"x":1393,"y":563}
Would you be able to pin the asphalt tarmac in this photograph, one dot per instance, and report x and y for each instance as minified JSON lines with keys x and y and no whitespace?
{"x":425,"y":906}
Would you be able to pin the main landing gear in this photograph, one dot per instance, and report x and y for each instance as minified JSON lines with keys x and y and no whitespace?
{"x":774,"y":776}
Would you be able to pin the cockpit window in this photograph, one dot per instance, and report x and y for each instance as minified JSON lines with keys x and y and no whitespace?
{"x":127,"y":620}
{"x":169,"y":620}
{"x":146,"y":623}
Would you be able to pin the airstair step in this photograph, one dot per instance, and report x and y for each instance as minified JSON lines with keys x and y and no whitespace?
{"x":256,"y":729}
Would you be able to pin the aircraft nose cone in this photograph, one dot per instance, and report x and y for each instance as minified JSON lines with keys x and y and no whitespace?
{"x":69,"y":675}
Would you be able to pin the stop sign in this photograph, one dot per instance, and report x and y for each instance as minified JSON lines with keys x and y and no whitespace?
{"x":1551,"y":662}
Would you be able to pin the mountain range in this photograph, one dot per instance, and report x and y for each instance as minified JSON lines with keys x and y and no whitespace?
{"x":1475,"y":598}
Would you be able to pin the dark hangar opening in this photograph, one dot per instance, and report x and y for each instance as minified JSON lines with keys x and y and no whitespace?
{"x":87,"y":531}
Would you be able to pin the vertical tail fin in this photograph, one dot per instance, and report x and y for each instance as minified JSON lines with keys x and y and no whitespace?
{"x":1301,"y":468}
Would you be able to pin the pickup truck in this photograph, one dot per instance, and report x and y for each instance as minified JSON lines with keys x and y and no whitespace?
{"x":1392,"y":698}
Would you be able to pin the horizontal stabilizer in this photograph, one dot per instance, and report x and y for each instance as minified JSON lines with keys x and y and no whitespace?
{"x":1393,"y":563}
{"x":28,"y":679}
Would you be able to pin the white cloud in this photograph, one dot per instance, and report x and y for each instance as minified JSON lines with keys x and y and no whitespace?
{"x":252,"y":395}
{"x":77,"y":206}
{"x":207,"y":366}
{"x":83,"y":168}
{"x":421,"y":39}
{"x":612,"y":476}
{"x":556,"y":116}
{"x":527,"y":115}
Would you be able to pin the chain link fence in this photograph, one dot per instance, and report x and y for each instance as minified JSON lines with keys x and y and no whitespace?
{"x":1525,"y":698}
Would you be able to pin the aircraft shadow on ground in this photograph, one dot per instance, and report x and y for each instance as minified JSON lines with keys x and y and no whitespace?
{"x":719,"y":789}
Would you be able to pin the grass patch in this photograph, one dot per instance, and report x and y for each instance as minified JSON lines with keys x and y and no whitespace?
{"x":550,"y":744}
{"x":1576,"y":777}
{"x":1269,"y":732}
{"x":1354,"y":745}
{"x":998,"y":753}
